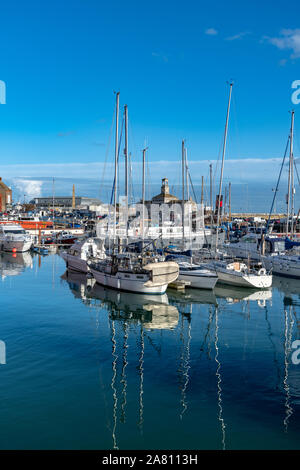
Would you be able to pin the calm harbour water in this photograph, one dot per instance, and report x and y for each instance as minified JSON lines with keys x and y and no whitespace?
{"x":89,"y":368}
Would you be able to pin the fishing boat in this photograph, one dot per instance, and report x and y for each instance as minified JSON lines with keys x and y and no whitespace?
{"x":61,"y":238}
{"x":14,"y":238}
{"x":128,"y":272}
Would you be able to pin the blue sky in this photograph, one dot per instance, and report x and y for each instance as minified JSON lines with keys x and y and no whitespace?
{"x":61,"y":62}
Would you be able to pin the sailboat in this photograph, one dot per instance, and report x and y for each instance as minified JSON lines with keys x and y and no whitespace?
{"x":269,"y":249}
{"x":128,"y":271}
{"x":197,"y":275}
{"x":288,"y":263}
{"x":229,"y":271}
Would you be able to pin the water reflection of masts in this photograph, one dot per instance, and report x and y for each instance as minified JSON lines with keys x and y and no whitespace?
{"x":141,"y":373}
{"x":185,"y":360}
{"x":123,"y":374}
{"x":207,"y":335}
{"x":289,"y":323}
{"x":270,"y":335}
{"x":113,"y":383}
{"x":219,"y":383}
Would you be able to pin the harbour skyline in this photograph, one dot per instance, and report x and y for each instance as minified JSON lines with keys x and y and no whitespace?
{"x":246,"y":197}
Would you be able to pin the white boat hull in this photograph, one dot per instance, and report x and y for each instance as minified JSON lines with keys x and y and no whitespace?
{"x":130,"y":284}
{"x":244,"y":280}
{"x":75,"y":263}
{"x":283,"y":266}
{"x":18,"y":246}
{"x":199,"y":281}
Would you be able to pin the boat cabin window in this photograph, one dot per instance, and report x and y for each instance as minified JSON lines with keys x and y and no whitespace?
{"x":249,"y":240}
{"x":17,"y":231}
{"x":192,"y":268}
{"x":279,"y":246}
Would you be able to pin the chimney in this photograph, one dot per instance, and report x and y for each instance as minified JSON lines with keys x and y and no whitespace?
{"x":73,"y":198}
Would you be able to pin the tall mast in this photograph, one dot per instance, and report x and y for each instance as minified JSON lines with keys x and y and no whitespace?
{"x":187,"y":189}
{"x":126,"y":149}
{"x":290,"y":175}
{"x":222,"y":166}
{"x":210,"y":195}
{"x":116,"y":160}
{"x":53,"y":196}
{"x":126,"y":165}
{"x":187,"y":176}
{"x":143,"y":194}
{"x":182,"y":169}
{"x":292,"y":172}
{"x":229,"y":201}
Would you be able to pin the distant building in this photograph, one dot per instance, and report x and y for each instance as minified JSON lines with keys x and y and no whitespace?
{"x":5,"y":196}
{"x":166,"y":198}
{"x":65,"y":202}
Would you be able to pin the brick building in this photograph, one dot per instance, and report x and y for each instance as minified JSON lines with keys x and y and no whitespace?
{"x":5,"y":196}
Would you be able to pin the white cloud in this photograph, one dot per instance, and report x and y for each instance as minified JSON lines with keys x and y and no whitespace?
{"x":211,"y":31}
{"x":289,"y":39}
{"x":237,"y":36}
{"x":28,"y":177}
{"x":30,"y":188}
